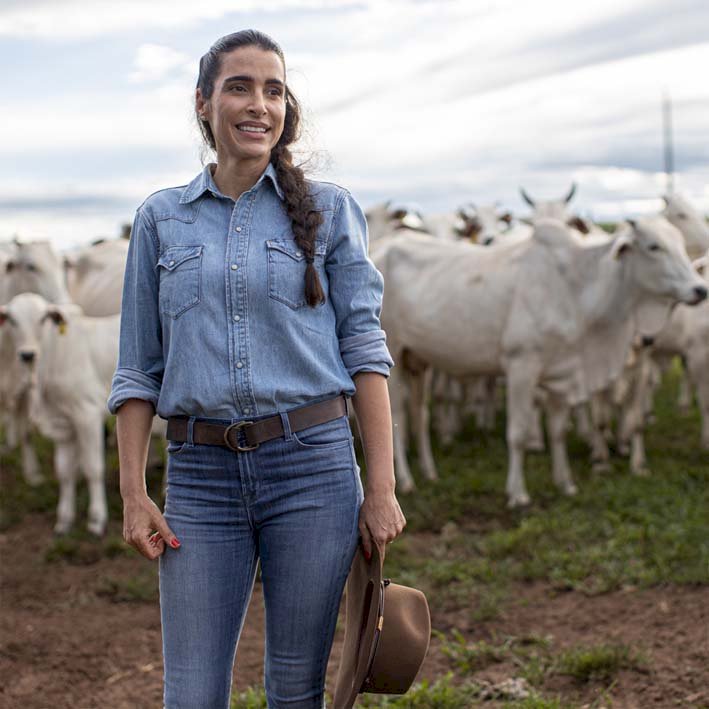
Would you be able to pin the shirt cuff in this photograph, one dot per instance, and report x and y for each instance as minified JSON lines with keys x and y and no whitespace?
{"x":131,"y":383}
{"x":366,"y":352}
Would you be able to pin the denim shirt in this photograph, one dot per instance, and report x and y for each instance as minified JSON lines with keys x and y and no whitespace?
{"x":214,"y":321}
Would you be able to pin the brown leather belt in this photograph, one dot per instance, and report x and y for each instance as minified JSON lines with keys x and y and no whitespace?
{"x":255,"y":432}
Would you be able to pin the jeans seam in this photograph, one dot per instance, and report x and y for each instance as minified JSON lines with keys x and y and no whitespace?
{"x":324,"y":661}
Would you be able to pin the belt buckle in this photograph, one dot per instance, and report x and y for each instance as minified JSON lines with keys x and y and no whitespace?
{"x":238,"y":448}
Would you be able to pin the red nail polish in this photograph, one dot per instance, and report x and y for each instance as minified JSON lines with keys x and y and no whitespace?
{"x":175,"y":544}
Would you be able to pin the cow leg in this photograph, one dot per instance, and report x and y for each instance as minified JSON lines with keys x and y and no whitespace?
{"x":557,"y":412}
{"x":698,"y":367}
{"x":490,"y":384}
{"x":583,"y":422}
{"x":600,"y":456}
{"x":522,"y":379}
{"x":405,"y":481}
{"x":65,"y":463}
{"x":420,"y":395}
{"x":535,"y":441}
{"x":30,"y":465}
{"x":684,"y":397}
{"x":92,"y":460}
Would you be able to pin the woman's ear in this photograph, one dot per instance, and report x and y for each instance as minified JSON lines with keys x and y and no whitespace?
{"x":201,"y":105}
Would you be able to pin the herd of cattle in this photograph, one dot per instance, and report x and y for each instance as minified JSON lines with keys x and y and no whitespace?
{"x":567,"y":318}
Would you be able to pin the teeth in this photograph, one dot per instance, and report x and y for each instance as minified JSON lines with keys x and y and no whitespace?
{"x":252,"y":129}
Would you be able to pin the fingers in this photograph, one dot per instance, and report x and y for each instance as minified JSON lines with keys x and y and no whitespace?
{"x":366,"y":540}
{"x":138,"y":524}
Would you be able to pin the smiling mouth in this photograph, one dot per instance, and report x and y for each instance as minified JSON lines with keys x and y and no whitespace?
{"x":252,"y":129}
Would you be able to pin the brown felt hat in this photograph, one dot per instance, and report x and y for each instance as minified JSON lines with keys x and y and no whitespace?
{"x":387,"y":631}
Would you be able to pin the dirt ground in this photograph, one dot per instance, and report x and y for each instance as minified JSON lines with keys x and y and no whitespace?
{"x":64,"y":644}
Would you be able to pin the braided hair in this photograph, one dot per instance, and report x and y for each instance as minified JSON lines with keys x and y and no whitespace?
{"x":300,"y":206}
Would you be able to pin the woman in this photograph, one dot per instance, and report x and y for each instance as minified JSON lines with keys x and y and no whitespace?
{"x":249,"y":309}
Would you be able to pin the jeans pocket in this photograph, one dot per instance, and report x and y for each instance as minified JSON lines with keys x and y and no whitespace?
{"x":324,"y":436}
{"x":180,"y":279}
{"x":175,"y":447}
{"x":286,"y":271}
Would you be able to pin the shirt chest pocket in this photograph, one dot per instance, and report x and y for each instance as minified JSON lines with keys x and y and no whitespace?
{"x":286,"y":271}
{"x":180,"y":269}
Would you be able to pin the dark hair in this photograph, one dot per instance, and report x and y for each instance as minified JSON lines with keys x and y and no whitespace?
{"x":300,"y":206}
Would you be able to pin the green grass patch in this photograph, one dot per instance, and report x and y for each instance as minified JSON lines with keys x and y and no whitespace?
{"x":599,"y":662}
{"x":141,"y":588}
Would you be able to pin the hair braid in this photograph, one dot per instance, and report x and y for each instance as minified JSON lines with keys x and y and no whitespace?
{"x":305,"y":221}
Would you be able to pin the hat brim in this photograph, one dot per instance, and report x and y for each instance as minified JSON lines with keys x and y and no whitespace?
{"x":362,"y":614}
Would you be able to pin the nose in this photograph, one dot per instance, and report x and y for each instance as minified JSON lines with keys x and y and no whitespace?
{"x":27,"y":357}
{"x":701,"y":293}
{"x":258,"y":106}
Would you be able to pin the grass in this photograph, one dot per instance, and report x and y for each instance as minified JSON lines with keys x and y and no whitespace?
{"x":620,"y":531}
{"x":141,"y":588}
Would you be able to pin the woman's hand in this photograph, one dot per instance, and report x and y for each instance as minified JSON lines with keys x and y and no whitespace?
{"x":380,"y":519}
{"x":140,"y":517}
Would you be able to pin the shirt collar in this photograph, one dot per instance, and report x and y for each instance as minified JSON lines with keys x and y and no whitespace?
{"x":205,"y":182}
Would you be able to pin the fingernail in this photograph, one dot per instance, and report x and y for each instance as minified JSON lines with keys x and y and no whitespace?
{"x":175,"y":544}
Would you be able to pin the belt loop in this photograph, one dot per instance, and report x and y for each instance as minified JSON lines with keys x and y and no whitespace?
{"x":190,"y":428}
{"x":287,"y":433}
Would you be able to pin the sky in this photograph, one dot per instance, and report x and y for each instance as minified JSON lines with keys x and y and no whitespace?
{"x":434,"y":103}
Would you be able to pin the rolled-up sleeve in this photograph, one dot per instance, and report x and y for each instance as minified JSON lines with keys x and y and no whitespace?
{"x":356,"y":289}
{"x":140,"y":360}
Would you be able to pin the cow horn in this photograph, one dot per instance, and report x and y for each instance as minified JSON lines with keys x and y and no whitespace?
{"x":571,"y":193}
{"x":526,"y":197}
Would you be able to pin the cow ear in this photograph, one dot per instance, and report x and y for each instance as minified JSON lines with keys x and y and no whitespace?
{"x":580,"y":224}
{"x":622,"y":245}
{"x":56,"y":316}
{"x":701,"y":265}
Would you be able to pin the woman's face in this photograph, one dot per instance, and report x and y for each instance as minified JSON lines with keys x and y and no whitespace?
{"x":247,"y":108}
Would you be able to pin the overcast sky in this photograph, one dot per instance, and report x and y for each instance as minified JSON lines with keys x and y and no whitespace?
{"x":428,"y":101}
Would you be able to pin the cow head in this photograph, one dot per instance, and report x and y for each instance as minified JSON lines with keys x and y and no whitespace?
{"x":24,"y":318}
{"x":654,"y":249}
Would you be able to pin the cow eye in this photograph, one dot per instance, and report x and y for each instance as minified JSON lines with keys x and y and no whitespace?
{"x":654,"y":247}
{"x":31,"y":267}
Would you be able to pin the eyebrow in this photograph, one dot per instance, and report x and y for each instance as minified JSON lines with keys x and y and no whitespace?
{"x":246,"y":77}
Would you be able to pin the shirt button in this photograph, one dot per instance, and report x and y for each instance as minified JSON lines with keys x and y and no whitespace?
{"x":247,"y":411}
{"x":172,"y":263}
{"x":238,"y":228}
{"x":297,"y":253}
{"x":237,"y":318}
{"x":234,"y":267}
{"x":239,"y":365}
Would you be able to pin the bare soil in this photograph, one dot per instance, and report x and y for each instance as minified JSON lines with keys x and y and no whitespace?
{"x":65,"y":644}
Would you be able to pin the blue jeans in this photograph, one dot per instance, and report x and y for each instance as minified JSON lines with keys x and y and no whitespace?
{"x":294,"y":504}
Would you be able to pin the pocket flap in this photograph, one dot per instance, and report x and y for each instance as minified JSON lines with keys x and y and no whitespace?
{"x":173,"y":256}
{"x":289,"y":247}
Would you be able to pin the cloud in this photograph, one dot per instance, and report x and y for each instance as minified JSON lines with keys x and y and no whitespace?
{"x":71,"y":19}
{"x":154,"y":62}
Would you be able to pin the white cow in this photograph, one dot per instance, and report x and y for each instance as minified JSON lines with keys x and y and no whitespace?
{"x":695,"y":230}
{"x":67,"y":361}
{"x":549,"y":312}
{"x":95,"y":276}
{"x":28,"y":266}
{"x":481,"y":225}
{"x":687,"y":335}
{"x":387,"y":217}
